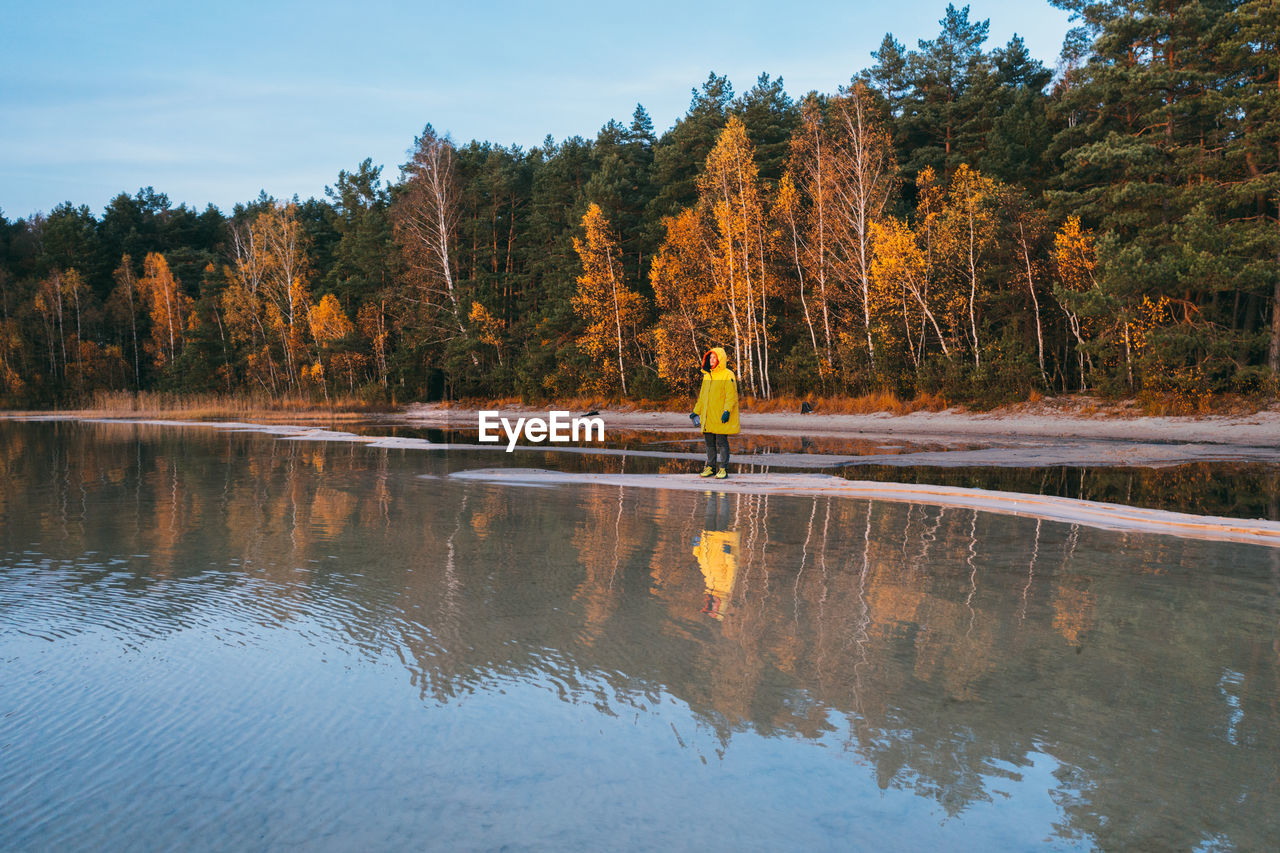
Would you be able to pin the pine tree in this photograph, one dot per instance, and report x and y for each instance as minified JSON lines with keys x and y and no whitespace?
{"x":889,"y":74}
{"x":681,"y":152}
{"x":770,"y":117}
{"x":1014,"y":150}
{"x":362,"y":263}
{"x":1154,"y":151}
{"x":623,"y":187}
{"x":950,"y":92}
{"x":1250,"y":38}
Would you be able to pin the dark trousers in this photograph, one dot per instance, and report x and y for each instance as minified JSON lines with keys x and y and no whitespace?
{"x":719,"y":512}
{"x":717,"y":442}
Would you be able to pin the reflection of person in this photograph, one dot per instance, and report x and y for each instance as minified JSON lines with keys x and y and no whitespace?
{"x":717,"y":552}
{"x":717,"y":411}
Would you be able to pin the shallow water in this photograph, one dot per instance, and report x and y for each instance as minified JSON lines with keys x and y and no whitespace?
{"x":226,"y":641}
{"x":1232,"y":489}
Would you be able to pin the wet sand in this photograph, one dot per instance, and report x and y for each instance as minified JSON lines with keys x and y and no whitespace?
{"x":947,"y":439}
{"x":1067,"y":510}
{"x":998,"y":439}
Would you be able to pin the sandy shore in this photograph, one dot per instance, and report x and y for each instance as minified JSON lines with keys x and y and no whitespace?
{"x":747,"y":478}
{"x":1025,"y":438}
{"x":1067,"y":510}
{"x":1258,"y":430}
{"x":953,"y":438}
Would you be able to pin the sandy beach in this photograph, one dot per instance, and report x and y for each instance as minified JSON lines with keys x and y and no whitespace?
{"x":764,"y":466}
{"x":1030,"y":437}
{"x":1026,"y":437}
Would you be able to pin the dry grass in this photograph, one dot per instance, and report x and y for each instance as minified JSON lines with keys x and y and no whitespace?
{"x":1066,"y":405}
{"x":880,"y":401}
{"x":581,"y":403}
{"x":866,"y":404}
{"x":1175,"y":404}
{"x":1146,"y":404}
{"x":202,"y":407}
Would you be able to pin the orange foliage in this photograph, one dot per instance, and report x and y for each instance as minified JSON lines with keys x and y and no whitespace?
{"x":168,"y":307}
{"x":267,"y":303}
{"x":328,"y":321}
{"x":610,"y":309}
{"x":691,"y":317}
{"x":10,"y":347}
{"x":711,"y":276}
{"x":488,"y":328}
{"x":1073,"y":254}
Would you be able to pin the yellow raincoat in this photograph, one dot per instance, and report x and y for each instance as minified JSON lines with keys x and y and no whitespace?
{"x":719,"y":394}
{"x":717,"y":553}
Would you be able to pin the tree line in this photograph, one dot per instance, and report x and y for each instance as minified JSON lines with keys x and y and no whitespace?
{"x":955,"y":220}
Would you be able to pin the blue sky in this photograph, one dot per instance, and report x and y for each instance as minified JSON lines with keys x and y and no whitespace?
{"x":211,"y":102}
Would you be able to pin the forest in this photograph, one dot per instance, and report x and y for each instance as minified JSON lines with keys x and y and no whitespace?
{"x":959,"y":220}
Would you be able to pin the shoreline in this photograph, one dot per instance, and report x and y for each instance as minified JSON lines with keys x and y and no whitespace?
{"x":1028,"y":436}
{"x":1260,"y":430}
{"x":1105,"y":516}
{"x":777,"y":479}
{"x":1003,"y":439}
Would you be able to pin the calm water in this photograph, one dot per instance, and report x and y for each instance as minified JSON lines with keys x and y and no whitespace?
{"x":1241,"y":489}
{"x":225,"y":641}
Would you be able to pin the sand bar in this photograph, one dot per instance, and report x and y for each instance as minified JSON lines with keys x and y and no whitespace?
{"x":1023,"y":439}
{"x":1067,"y":510}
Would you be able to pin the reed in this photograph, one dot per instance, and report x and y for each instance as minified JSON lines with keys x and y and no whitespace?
{"x":196,"y":407}
{"x":866,"y":404}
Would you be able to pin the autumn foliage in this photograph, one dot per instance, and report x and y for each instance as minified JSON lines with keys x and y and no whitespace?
{"x":955,"y":221}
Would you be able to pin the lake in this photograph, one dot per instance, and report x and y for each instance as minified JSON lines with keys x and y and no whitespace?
{"x":216,"y":640}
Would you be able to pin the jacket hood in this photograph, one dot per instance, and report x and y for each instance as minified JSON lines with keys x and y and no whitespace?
{"x":722,"y":359}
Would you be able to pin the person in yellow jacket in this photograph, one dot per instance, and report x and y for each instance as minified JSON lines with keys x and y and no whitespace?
{"x":716,"y":549}
{"x":717,"y":553}
{"x":717,"y":411}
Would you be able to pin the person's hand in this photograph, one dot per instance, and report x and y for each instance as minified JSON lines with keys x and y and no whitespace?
{"x":697,"y":421}
{"x":724,"y":418}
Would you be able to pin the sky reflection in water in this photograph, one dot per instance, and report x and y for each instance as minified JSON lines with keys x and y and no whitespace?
{"x":227,"y":641}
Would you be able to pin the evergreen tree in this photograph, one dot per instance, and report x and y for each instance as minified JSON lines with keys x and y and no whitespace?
{"x":889,"y":74}
{"x":69,"y":239}
{"x":1151,"y":160}
{"x":623,"y":186}
{"x":1250,"y":40}
{"x":553,"y":363}
{"x":770,"y":118}
{"x":363,"y":259}
{"x":1016,"y":145}
{"x":1118,"y":232}
{"x":945,"y":116}
{"x":680,"y":153}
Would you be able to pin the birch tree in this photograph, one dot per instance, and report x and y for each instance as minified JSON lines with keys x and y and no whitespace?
{"x":610,"y":309}
{"x":866,"y":177}
{"x":901,"y":263}
{"x":268,"y":299}
{"x":1076,"y":264}
{"x":168,"y":307}
{"x":692,"y":315}
{"x":425,"y":220}
{"x":969,"y":228}
{"x":127,"y":297}
{"x":730,"y":196}
{"x":807,"y":218}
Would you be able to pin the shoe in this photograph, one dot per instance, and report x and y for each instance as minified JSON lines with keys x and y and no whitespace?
{"x":721,"y":474}
{"x":707,"y":472}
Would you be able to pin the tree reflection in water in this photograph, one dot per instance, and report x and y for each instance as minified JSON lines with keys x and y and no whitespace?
{"x":945,"y":650}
